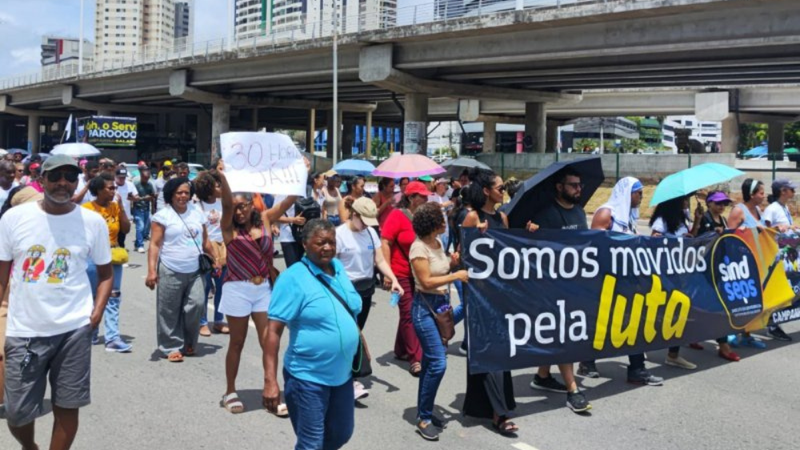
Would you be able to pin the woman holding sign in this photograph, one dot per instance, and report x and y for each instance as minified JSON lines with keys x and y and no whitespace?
{"x":489,"y":395}
{"x":249,"y":278}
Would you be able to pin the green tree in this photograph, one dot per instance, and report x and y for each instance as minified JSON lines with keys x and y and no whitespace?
{"x":447,"y":150}
{"x":380,"y":149}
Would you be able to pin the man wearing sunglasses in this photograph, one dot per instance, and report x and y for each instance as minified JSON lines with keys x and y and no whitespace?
{"x":51,"y":316}
{"x":564,"y":213}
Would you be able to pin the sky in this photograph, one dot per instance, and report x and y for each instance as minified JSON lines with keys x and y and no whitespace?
{"x":24,"y":22}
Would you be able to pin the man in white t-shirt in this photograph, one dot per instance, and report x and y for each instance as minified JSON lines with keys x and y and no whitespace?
{"x":51,"y":312}
{"x":7,"y":181}
{"x":82,"y":194}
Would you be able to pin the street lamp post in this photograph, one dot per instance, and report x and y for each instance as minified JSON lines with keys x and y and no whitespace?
{"x":335,"y":82}
{"x":80,"y":43}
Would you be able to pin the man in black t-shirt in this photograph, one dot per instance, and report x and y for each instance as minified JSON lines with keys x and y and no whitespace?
{"x":564,"y":213}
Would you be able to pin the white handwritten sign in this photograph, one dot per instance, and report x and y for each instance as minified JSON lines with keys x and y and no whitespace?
{"x":267,"y":163}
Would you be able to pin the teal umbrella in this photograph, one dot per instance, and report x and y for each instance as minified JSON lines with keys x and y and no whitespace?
{"x":686,"y":181}
{"x":791,"y":151}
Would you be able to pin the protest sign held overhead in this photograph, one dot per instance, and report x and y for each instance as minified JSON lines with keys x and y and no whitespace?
{"x":267,"y":163}
{"x":554,"y":297}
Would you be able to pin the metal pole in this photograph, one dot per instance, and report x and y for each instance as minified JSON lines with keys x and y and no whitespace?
{"x":80,"y":43}
{"x":602,"y":143}
{"x":617,"y":166}
{"x":335,"y":130}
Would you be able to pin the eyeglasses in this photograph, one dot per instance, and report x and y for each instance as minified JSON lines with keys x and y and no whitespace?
{"x":575,"y":185}
{"x":500,"y":189}
{"x":55,"y":177}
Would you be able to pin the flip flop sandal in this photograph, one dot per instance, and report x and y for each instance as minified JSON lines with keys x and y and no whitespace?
{"x":175,"y":357}
{"x":232,"y":403}
{"x":189,"y":351}
{"x":505,"y":427}
{"x":282,"y":411}
{"x":222,"y":329}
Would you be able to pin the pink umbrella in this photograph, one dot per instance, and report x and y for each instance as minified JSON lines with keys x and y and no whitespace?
{"x":411,"y":165}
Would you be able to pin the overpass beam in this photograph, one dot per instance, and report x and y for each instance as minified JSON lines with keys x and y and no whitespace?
{"x":730,"y":134}
{"x":220,"y":123}
{"x":34,"y":136}
{"x":489,"y":137}
{"x":535,"y":127}
{"x":775,"y":138}
{"x":415,"y":124}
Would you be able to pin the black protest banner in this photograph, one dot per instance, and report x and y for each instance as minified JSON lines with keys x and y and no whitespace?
{"x":565,"y":296}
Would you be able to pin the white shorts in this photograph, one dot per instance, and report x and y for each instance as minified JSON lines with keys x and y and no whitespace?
{"x":242,"y":298}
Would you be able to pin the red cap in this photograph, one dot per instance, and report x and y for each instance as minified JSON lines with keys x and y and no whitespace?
{"x":417,"y":187}
{"x":34,"y":166}
{"x":142,"y":163}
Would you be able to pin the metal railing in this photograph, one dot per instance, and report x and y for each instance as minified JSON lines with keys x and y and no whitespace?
{"x":289,"y":34}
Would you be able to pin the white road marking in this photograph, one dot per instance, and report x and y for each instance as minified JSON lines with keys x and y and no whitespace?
{"x":523,"y":446}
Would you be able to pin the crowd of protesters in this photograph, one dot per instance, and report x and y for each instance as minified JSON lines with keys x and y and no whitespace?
{"x":338,"y":242}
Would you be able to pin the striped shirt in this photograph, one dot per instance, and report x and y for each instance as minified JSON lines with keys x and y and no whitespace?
{"x":248,"y":257}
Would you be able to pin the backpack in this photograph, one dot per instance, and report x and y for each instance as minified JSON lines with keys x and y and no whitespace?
{"x":308,"y":208}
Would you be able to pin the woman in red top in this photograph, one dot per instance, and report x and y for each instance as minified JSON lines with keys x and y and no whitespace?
{"x":397,"y":235}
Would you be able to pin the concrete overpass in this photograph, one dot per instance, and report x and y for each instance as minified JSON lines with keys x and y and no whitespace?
{"x":532,"y":64}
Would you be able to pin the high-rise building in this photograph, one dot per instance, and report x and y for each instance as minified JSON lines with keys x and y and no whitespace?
{"x":305,"y":19}
{"x":128,"y":29}
{"x":61,"y":56}
{"x":184,"y":21}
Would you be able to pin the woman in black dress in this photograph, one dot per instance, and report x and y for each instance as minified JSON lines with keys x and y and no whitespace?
{"x":489,"y":395}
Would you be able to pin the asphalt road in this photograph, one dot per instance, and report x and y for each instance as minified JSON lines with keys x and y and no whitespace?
{"x":143,"y":402}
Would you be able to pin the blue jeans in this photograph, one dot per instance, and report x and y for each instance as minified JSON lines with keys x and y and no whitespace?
{"x":322,"y":416}
{"x":218,"y":282}
{"x":335,"y":220}
{"x":111,"y":313}
{"x":141,"y":217}
{"x":434,"y":353}
{"x":445,"y":238}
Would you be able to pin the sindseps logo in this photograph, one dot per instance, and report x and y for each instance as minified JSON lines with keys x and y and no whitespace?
{"x":737,"y":280}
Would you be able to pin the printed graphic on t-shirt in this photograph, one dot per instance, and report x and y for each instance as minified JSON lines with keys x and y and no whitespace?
{"x":33,"y":266}
{"x":214,"y":217}
{"x":58,"y":270}
{"x":191,"y":234}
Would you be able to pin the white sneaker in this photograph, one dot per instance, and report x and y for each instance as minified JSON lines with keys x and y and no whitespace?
{"x":140,"y":249}
{"x":679,"y":362}
{"x":359,"y":391}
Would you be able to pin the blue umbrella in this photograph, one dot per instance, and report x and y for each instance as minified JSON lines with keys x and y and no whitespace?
{"x":757,"y":151}
{"x":14,"y":151}
{"x":686,"y":181}
{"x":354,"y":168}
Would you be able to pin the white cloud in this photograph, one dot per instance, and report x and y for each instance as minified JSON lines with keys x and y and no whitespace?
{"x":25,"y":56}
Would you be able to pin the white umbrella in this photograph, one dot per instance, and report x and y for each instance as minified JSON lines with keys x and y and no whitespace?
{"x":3,"y":152}
{"x":75,"y":149}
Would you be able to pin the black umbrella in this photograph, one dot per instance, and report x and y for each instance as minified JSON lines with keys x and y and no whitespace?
{"x":538,"y":191}
{"x":455,"y":166}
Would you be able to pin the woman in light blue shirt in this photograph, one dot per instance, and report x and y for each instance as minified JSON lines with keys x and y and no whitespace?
{"x":323,"y":340}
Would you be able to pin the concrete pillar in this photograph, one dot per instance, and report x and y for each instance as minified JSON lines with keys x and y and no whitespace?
{"x":311,"y":130}
{"x":34,"y":134}
{"x":415,"y":124}
{"x":535,"y":127}
{"x":329,"y":139}
{"x":255,"y":119}
{"x":551,"y":143}
{"x":348,"y":136}
{"x":489,"y":137}
{"x":775,"y":138}
{"x":368,"y":137}
{"x":220,"y":123}
{"x":3,"y":143}
{"x":730,"y":135}
{"x":203,"y":145}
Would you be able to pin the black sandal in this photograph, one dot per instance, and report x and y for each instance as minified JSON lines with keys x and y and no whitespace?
{"x":505,"y":427}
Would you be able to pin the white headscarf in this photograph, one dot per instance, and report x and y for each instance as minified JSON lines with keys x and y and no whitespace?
{"x":622,"y":215}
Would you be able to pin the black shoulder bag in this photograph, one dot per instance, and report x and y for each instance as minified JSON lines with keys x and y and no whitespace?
{"x":361,"y":366}
{"x":206,"y":264}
